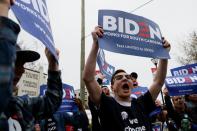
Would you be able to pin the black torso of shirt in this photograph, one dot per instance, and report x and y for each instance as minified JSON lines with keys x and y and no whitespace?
{"x":115,"y":117}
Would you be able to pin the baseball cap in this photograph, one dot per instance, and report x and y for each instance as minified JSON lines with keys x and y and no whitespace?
{"x":26,"y":55}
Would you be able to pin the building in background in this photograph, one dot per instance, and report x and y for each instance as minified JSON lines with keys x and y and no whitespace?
{"x":31,"y":81}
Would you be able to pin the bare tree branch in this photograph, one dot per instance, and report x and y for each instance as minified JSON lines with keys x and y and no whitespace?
{"x":189,"y":49}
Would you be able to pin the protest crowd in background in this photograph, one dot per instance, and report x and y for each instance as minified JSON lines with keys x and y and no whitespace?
{"x":121,"y":105}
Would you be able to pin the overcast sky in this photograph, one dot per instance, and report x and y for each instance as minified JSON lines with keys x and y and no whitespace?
{"x":176,"y":18}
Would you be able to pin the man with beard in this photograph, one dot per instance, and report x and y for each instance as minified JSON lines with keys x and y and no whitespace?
{"x":121,"y":113}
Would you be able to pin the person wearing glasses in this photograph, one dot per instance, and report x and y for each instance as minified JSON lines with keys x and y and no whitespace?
{"x":121,"y":113}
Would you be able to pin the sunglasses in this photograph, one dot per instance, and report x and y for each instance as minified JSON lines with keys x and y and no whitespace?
{"x":119,"y":77}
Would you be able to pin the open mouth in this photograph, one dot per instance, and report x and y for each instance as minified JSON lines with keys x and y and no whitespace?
{"x":125,"y":87}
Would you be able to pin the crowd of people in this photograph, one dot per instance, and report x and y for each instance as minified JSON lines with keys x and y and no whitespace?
{"x":113,"y":110}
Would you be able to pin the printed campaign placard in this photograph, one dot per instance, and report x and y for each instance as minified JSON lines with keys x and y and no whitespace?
{"x":29,"y":83}
{"x":138,"y":91}
{"x":105,"y":81}
{"x":104,"y":67}
{"x":34,"y":18}
{"x":181,"y":85}
{"x":68,"y":103}
{"x":130,"y":34}
{"x":184,"y":70}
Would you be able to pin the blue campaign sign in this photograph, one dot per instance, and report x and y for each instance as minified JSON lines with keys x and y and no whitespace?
{"x":184,"y":70}
{"x":68,"y":103}
{"x":33,"y":17}
{"x":155,"y":112}
{"x":105,"y":81}
{"x":130,"y":34}
{"x":104,"y":67}
{"x":138,"y":91}
{"x":156,"y":127}
{"x":181,"y":85}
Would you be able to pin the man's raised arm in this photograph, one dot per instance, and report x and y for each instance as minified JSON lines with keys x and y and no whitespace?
{"x":89,"y":71}
{"x":160,"y":76}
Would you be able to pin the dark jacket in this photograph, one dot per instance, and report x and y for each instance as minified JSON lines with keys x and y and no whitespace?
{"x":81,"y":121}
{"x":26,"y":110}
{"x":95,"y":116}
{"x":9,"y":31}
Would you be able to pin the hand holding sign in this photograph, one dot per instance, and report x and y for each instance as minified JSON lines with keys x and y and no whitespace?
{"x":101,"y":76}
{"x":98,"y":32}
{"x":53,"y":63}
{"x":165,"y":91}
{"x":166,"y":44}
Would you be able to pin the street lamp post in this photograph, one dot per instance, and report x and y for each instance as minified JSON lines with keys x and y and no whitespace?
{"x":82,"y":85}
